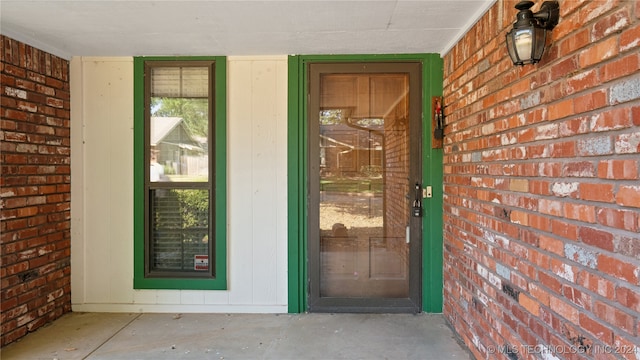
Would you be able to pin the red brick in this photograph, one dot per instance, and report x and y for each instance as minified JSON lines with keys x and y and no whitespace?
{"x":628,"y":298}
{"x":635,"y":115}
{"x":14,"y":335}
{"x":564,"y":309}
{"x":616,"y":317}
{"x":15,"y":71}
{"x":564,"y":270}
{"x":539,"y":222}
{"x":597,"y":329}
{"x":26,"y":297}
{"x":582,"y":212}
{"x":541,"y":295}
{"x":596,"y":192}
{"x":564,"y":229}
{"x":26,"y":126}
{"x":550,"y":207}
{"x":611,"y":120}
{"x":628,"y":196}
{"x":597,"y":284}
{"x":619,"y":269}
{"x":622,"y":67}
{"x":630,"y":38}
{"x":582,"y":81}
{"x":521,"y":87}
{"x":611,"y":24}
{"x":565,"y":132}
{"x":618,"y":169}
{"x":616,"y":218}
{"x":627,"y":349}
{"x":580,"y":298}
{"x":561,"y":109}
{"x":597,"y":238}
{"x":598,"y":52}
{"x":574,"y":41}
{"x":579,"y":169}
{"x":562,"y":149}
{"x":540,"y":259}
{"x":628,"y":246}
{"x":564,"y":67}
{"x":551,"y":244}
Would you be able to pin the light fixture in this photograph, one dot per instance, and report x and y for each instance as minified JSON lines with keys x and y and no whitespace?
{"x":526,"y":41}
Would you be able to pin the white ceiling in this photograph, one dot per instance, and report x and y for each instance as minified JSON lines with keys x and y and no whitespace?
{"x":209,"y":27}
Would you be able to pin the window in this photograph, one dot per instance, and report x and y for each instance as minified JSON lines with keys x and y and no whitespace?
{"x":180,"y":187}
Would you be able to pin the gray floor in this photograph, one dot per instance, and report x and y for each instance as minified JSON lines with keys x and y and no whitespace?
{"x":240,"y":336}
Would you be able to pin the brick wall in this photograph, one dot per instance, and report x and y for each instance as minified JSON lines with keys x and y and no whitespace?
{"x":542,"y":187}
{"x":34,"y":189}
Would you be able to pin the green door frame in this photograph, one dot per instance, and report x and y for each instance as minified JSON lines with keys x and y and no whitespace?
{"x":432,"y":77}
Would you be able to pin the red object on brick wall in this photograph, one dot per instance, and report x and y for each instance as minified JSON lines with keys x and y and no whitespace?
{"x":34,"y":189}
{"x":561,"y":242}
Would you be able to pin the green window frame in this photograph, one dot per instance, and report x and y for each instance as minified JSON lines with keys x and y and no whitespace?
{"x":147,"y":274}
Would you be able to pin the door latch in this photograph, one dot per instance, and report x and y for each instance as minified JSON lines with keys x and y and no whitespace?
{"x":417,"y":203}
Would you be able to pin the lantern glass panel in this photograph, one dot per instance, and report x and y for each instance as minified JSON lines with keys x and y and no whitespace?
{"x":511,"y":47}
{"x":523,"y":39}
{"x":539,"y":43}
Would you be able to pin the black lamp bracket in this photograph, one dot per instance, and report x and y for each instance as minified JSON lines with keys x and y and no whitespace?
{"x":549,"y":14}
{"x":438,"y":120}
{"x":547,"y":17}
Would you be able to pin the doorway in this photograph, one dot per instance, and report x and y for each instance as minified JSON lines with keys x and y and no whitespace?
{"x":364,"y":187}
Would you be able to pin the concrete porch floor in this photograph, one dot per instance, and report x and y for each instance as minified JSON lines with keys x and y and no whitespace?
{"x":240,"y":336}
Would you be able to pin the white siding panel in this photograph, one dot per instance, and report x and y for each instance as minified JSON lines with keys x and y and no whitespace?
{"x":121,"y":185}
{"x":217,"y":297}
{"x":191,"y":297}
{"x":239,"y":185}
{"x":145,"y":296}
{"x":102,"y":203}
{"x":168,"y":297}
{"x":257,"y":179}
{"x":77,"y":183}
{"x":105,"y":121}
{"x":96,"y":166}
{"x":280,"y":167}
{"x":264,"y":181}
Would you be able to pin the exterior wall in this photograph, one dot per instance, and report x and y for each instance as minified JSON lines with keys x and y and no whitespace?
{"x":34,"y":189}
{"x":542,"y":190}
{"x":102,"y":210}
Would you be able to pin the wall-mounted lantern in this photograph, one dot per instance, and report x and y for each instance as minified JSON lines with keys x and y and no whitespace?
{"x":526,"y":41}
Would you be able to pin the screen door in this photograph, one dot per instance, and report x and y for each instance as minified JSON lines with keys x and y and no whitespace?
{"x":364,"y":225}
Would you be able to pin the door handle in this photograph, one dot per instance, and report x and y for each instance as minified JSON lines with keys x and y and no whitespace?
{"x":416,"y":210}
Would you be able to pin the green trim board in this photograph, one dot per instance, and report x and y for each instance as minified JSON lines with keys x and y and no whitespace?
{"x":432,"y":227}
{"x":432,"y":73}
{"x":220,"y":190}
{"x":297,"y":186}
